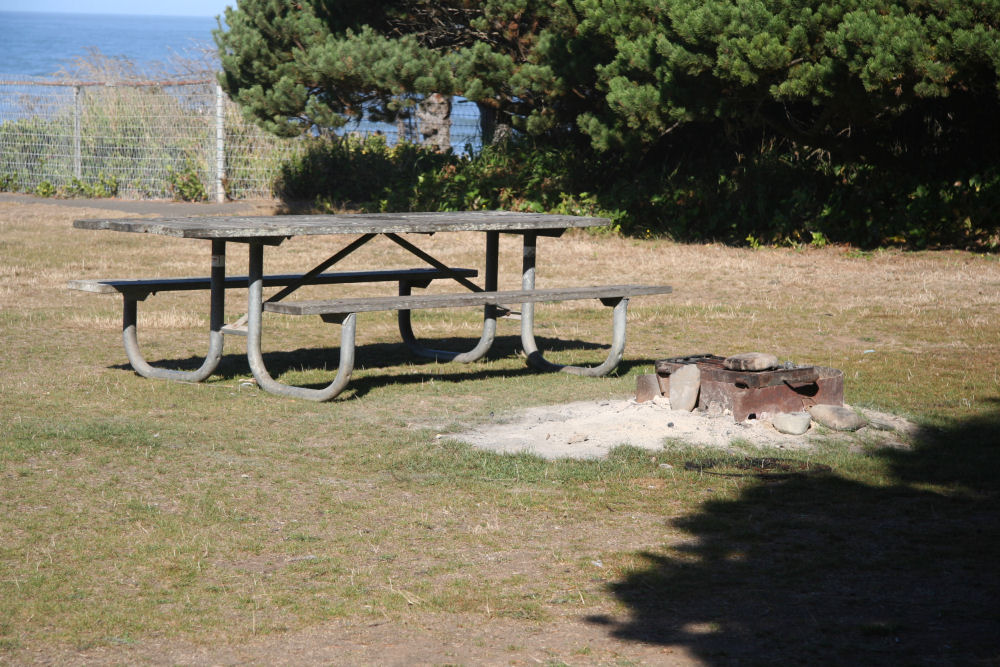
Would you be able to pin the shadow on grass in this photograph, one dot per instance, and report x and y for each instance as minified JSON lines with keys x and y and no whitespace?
{"x":397,"y":355}
{"x":830,"y":570}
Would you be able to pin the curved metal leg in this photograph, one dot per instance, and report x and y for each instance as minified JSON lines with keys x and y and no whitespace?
{"x":143,"y":368}
{"x":256,"y":359}
{"x":476,"y":353}
{"x":215,"y":337}
{"x":536,"y":360}
{"x":489,"y":315}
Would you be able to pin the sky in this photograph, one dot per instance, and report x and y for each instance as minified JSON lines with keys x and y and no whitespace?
{"x":144,"y":7}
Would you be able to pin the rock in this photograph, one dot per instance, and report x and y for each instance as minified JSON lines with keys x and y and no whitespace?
{"x":838,"y":418}
{"x":751,"y":361}
{"x":791,"y":423}
{"x":684,"y":385}
{"x":647,"y":387}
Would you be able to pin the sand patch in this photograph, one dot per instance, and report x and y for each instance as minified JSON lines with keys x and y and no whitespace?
{"x":590,"y":429}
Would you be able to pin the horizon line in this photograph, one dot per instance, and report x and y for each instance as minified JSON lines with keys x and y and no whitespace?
{"x":107,"y":13}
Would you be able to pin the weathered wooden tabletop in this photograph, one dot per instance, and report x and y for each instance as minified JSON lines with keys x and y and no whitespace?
{"x":245,"y":227}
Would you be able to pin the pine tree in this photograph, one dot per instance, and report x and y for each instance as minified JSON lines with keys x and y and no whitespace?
{"x":325,"y":62}
{"x":860,"y":77}
{"x":846,"y":75}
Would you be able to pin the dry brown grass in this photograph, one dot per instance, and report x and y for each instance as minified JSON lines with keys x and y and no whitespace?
{"x":148,"y":521}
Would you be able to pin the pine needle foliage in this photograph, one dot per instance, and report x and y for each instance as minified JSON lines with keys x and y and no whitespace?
{"x":871,"y":122}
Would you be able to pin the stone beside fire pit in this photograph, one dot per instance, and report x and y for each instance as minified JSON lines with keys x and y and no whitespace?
{"x":750,"y":361}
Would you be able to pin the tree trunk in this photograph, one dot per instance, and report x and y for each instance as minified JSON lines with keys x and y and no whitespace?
{"x":492,"y":131}
{"x":434,"y":121}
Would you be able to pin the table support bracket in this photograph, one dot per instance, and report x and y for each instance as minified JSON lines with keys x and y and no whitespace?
{"x":239,"y":327}
{"x":436,"y":263}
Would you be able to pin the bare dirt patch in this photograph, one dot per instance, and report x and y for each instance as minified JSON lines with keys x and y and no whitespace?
{"x":590,"y":429}
{"x":435,"y":639}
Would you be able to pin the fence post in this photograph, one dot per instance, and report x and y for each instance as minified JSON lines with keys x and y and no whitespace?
{"x":220,"y":144}
{"x":77,"y":158}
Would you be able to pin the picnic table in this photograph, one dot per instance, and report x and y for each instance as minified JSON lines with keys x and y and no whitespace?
{"x":258,"y":232}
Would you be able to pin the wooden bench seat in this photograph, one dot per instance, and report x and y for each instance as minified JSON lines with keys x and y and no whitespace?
{"x":139,"y":289}
{"x":135,"y":290}
{"x":344,"y":312}
{"x":607,"y":294}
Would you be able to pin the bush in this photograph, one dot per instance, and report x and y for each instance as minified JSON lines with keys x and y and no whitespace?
{"x":45,"y":189}
{"x":772,"y":193}
{"x":105,"y":186}
{"x":782,"y":194}
{"x":363,"y":173}
{"x":186,"y":185}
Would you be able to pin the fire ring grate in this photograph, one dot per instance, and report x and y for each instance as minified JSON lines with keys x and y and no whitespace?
{"x":765,"y":467}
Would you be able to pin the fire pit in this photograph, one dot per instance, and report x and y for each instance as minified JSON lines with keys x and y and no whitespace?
{"x":788,"y":388}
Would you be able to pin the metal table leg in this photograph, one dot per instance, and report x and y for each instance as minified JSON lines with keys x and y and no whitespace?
{"x":535,"y":357}
{"x":256,"y":359}
{"x":489,"y":315}
{"x":215,"y":337}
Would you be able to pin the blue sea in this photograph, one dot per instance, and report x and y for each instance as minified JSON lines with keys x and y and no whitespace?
{"x":40,"y":44}
{"x":36,"y":44}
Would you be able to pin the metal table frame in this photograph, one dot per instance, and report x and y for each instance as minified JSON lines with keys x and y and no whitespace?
{"x":258,"y":232}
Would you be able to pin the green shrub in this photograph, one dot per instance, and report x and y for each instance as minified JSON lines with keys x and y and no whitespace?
{"x":186,"y":185}
{"x":773,"y":193}
{"x":105,"y":186}
{"x":45,"y":189}
{"x":359,"y":173}
{"x":366,"y":174}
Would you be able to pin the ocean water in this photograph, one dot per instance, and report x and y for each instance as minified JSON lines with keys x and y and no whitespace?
{"x":40,"y":44}
{"x":36,"y":44}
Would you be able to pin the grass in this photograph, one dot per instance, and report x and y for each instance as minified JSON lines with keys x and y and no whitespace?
{"x":145,"y":519}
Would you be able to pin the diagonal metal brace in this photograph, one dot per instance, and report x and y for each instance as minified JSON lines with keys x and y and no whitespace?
{"x":436,"y":263}
{"x":240,"y":326}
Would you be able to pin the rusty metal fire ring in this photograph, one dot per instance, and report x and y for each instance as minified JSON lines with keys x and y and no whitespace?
{"x":763,"y":467}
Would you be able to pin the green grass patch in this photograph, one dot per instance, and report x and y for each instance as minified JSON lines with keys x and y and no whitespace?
{"x":140,"y":514}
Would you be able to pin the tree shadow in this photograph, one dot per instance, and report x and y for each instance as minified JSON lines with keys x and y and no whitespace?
{"x":395,"y":355}
{"x":829,"y":570}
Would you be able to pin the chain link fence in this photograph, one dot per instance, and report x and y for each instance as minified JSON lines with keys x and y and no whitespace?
{"x":177,"y":139}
